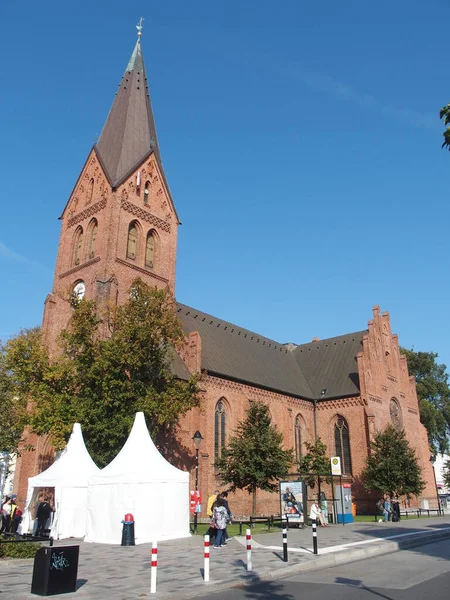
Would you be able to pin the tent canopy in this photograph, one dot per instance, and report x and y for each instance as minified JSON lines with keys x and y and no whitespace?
{"x":142,"y":482}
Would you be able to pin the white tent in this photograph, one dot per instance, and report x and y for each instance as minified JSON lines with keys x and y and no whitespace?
{"x":69,"y":476}
{"x":142,"y":482}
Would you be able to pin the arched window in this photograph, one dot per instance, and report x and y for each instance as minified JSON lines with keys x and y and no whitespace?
{"x":91,"y":239}
{"x":146,"y":191}
{"x":132,"y":241}
{"x":77,"y":246}
{"x":220,"y":425}
{"x":298,"y":438}
{"x":395,"y":414}
{"x":342,"y":444}
{"x":90,"y":191}
{"x":150,"y":250}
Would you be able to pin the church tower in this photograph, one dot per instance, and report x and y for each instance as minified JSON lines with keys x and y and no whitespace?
{"x":120,"y":221}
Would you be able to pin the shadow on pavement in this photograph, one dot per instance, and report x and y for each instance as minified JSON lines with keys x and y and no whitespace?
{"x":359,"y":584}
{"x":265,"y":589}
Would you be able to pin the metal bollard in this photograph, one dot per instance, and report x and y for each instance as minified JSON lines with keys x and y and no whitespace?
{"x":248,"y":536}
{"x":314,"y":532}
{"x":285,"y":546}
{"x":154,"y":568}
{"x":206,"y":556}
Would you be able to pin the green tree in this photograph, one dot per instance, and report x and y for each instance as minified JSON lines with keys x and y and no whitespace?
{"x":102,"y":382}
{"x":315,"y":465}
{"x":433,"y":393}
{"x":13,"y":410}
{"x":254,"y":458}
{"x":446,"y":472}
{"x":445,"y":114}
{"x":392,"y":466}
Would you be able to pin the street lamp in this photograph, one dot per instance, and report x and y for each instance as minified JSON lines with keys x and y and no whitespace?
{"x":197,"y":439}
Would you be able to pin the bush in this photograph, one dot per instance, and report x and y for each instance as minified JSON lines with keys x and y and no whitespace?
{"x":18,"y":549}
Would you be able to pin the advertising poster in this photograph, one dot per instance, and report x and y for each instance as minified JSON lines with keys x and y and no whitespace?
{"x":292,"y":501}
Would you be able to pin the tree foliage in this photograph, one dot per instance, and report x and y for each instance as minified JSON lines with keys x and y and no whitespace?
{"x":254,"y":458}
{"x":433,"y":393}
{"x":315,"y":465}
{"x":445,"y":114}
{"x":13,"y":409}
{"x":392,"y":466}
{"x":101,"y":382}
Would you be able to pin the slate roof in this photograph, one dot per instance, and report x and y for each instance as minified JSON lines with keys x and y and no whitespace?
{"x":129,"y":134}
{"x":304,"y":371}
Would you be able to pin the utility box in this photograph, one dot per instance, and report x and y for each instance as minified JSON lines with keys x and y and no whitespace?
{"x":343,"y":501}
{"x":55,"y":570}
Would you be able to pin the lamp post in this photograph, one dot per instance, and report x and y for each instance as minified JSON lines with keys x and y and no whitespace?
{"x":197,"y":439}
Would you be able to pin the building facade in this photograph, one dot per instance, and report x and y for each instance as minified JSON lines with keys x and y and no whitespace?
{"x":120,"y":222}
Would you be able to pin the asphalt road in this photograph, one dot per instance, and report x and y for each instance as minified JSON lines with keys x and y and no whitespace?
{"x":417,"y":574}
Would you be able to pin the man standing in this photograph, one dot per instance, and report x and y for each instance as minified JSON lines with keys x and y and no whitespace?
{"x":43,"y":514}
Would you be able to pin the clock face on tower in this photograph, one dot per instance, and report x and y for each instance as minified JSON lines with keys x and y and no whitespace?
{"x":79,"y":290}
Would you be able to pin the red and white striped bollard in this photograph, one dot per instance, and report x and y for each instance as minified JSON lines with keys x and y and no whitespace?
{"x":248,"y":537}
{"x":206,"y":556}
{"x":154,"y":568}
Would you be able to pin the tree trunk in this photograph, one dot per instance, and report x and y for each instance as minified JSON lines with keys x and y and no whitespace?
{"x":254,"y":503}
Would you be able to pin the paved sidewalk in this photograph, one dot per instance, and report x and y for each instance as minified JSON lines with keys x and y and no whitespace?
{"x":123,"y":573}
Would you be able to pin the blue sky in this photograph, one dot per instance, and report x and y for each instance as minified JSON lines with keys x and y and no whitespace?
{"x":301,"y":142}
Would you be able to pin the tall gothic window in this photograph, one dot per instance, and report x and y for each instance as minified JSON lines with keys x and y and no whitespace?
{"x":132,"y":241}
{"x":220,"y":425}
{"x":146,"y":192}
{"x":298,"y":437}
{"x":77,"y":246}
{"x":394,"y":411}
{"x":342,"y":444}
{"x":91,"y":239}
{"x":150,"y":250}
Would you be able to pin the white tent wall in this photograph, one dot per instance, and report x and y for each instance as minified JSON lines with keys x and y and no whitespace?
{"x":68,"y":476}
{"x":157,"y":510}
{"x":142,"y":482}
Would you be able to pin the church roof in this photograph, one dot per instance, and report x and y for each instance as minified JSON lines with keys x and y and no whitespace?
{"x":129,"y":134}
{"x":302,"y":371}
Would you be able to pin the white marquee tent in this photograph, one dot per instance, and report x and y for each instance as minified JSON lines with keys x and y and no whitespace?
{"x":142,"y":482}
{"x":69,"y":476}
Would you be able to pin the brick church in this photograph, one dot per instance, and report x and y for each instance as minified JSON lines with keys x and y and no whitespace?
{"x":121,"y":222}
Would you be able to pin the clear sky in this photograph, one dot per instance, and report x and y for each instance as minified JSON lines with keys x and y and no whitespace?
{"x":301,"y":142}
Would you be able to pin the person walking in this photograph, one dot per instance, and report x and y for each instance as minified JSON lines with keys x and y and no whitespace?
{"x":224,"y":496}
{"x":220,"y":517}
{"x":209,"y":511}
{"x":6,"y":514}
{"x":12,"y":522}
{"x":324,"y":506}
{"x":43,"y":514}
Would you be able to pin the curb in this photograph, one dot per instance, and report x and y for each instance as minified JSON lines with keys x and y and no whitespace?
{"x":322,"y":562}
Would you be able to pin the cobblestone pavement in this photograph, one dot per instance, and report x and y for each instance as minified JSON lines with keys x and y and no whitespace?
{"x":123,"y":573}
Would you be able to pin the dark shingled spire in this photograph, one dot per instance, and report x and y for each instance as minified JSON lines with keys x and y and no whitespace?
{"x":129,"y":134}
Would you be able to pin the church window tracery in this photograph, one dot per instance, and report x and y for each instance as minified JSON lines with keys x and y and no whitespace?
{"x":342,"y":444}
{"x":91,"y":239}
{"x":150,"y":250}
{"x":77,"y":246}
{"x":132,"y":241}
{"x":395,"y":414}
{"x":220,"y":425}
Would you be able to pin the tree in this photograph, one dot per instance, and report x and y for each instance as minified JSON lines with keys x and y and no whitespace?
{"x":254,"y":458}
{"x":101,"y":382}
{"x":433,"y":393}
{"x":315,"y":465}
{"x":392,"y":466}
{"x":13,"y":410}
{"x":445,"y":114}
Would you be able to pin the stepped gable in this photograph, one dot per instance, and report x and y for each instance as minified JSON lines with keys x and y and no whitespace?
{"x":236,"y":353}
{"x":331,"y":364}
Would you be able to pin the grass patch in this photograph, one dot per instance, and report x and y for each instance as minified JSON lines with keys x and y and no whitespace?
{"x":18,"y":549}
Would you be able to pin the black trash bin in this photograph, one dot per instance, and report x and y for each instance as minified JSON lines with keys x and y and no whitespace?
{"x":128,"y":530}
{"x":55,"y":570}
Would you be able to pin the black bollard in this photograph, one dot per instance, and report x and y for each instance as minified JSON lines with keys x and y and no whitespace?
{"x":285,"y":546}
{"x":51,"y":542}
{"x":128,"y":531}
{"x":314,"y":531}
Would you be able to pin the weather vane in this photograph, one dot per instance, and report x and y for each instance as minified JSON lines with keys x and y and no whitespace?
{"x":139,"y":27}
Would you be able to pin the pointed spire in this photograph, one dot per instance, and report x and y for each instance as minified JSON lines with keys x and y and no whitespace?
{"x":129,"y":134}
